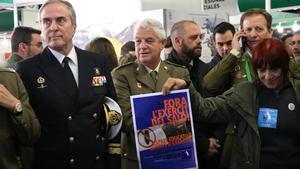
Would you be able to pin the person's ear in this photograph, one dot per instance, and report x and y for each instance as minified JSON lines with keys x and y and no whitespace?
{"x":178,"y":41}
{"x":163,"y":43}
{"x":22,"y":46}
{"x":271,"y":33}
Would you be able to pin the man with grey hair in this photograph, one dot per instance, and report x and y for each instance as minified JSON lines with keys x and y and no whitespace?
{"x":295,"y":45}
{"x":67,"y":87}
{"x":147,"y":75}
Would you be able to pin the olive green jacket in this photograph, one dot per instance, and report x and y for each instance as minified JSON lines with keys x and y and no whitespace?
{"x":231,"y":70}
{"x":16,"y":130}
{"x":240,"y":102}
{"x":13,"y":60}
{"x":133,"y":79}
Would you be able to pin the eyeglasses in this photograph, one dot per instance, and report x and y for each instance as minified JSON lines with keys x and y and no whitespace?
{"x":293,"y":43}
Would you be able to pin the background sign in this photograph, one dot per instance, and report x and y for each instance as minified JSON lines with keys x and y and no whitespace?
{"x":227,"y":6}
{"x":247,"y":4}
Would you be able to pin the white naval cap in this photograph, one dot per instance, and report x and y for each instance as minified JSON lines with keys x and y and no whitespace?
{"x":113,"y":116}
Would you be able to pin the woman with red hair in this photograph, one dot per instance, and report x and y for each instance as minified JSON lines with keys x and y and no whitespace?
{"x":266,"y":112}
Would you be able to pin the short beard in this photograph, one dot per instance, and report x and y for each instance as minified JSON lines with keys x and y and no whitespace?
{"x":190,"y":52}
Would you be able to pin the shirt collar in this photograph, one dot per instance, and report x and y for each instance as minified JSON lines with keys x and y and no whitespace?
{"x":60,"y":57}
{"x":156,"y":69}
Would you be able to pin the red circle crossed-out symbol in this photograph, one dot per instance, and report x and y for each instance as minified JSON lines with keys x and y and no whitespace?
{"x":146,"y":137}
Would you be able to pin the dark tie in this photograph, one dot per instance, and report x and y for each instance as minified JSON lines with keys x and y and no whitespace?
{"x":70,"y":80}
{"x":153,"y":75}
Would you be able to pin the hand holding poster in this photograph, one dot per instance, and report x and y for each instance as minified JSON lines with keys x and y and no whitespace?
{"x":163,"y":129}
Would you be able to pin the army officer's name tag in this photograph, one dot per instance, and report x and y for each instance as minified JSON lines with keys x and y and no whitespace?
{"x":267,"y":118}
{"x":98,"y":80}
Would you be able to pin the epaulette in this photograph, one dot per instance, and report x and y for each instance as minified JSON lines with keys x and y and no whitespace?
{"x":11,"y":70}
{"x":125,"y":65}
{"x":174,"y":64}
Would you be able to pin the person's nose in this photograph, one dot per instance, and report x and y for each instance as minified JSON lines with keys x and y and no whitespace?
{"x":199,"y":40}
{"x":268,"y":74}
{"x":53,"y":26}
{"x":252,"y":33}
{"x":225,"y":47}
{"x":143,"y":44}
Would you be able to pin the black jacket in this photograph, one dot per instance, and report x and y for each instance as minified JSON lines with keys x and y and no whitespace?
{"x":197,"y":71}
{"x":73,"y":128}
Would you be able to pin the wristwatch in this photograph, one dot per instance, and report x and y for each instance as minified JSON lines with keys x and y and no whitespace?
{"x":18,"y":109}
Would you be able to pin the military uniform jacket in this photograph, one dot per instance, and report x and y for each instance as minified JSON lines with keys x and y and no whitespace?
{"x":133,"y":79}
{"x":13,"y":60}
{"x":231,"y":70}
{"x":72,"y":129}
{"x":16,"y":130}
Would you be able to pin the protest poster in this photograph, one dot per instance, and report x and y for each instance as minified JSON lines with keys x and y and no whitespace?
{"x":163,"y":128}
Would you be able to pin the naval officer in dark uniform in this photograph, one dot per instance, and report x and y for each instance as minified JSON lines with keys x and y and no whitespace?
{"x":67,"y":87}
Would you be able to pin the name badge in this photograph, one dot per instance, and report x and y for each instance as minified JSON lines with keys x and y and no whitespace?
{"x":267,"y":118}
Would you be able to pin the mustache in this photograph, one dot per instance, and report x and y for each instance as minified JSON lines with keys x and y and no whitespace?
{"x":198,"y":47}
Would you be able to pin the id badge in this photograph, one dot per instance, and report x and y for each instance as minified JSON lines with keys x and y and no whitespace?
{"x":267,"y":118}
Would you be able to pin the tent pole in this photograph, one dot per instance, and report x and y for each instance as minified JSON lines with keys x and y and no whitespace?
{"x":268,"y":5}
{"x":15,"y":13}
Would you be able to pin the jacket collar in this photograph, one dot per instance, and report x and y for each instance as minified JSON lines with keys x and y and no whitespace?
{"x":144,"y":77}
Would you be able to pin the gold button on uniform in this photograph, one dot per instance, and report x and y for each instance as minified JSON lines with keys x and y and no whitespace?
{"x":95,"y":115}
{"x":71,"y":139}
{"x":72,"y":161}
{"x":97,"y":158}
{"x":70,"y":118}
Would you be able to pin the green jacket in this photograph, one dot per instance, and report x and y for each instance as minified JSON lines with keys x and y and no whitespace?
{"x":133,"y":79}
{"x":242,"y":101}
{"x":16,"y":130}
{"x":13,"y":60}
{"x":231,"y":70}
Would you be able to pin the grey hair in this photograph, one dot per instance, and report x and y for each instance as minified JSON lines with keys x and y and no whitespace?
{"x":68,"y":4}
{"x":155,"y":25}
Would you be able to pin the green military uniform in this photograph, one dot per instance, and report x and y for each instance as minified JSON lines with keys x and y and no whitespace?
{"x":133,"y":79}
{"x":232,"y":70}
{"x":13,"y":60}
{"x":16,"y":130}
